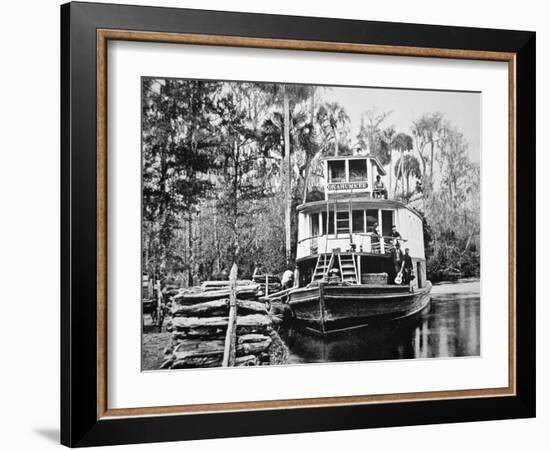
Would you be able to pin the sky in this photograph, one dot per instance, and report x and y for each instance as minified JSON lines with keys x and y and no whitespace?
{"x":462,"y":109}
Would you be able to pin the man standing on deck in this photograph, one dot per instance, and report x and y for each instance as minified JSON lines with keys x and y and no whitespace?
{"x":397,"y":258}
{"x":375,"y":238}
{"x":287,"y":279}
{"x":395,"y":234}
{"x":407,"y":267}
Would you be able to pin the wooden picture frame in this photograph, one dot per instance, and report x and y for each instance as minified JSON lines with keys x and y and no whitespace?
{"x":85,"y":417}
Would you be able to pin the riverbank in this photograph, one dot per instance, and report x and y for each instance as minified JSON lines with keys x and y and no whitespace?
{"x":466,"y":287}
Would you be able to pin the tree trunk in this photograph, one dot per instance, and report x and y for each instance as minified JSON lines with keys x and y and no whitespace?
{"x":306,"y":180}
{"x":402,"y":174}
{"x":336,"y":138}
{"x":189,"y":248}
{"x":312,"y":119}
{"x":236,"y":157}
{"x":397,"y":177}
{"x":431,"y":161}
{"x":287,"y":168}
{"x":390,"y":182}
{"x":217,"y":242}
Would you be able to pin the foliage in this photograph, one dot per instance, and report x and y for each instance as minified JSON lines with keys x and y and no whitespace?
{"x":225,"y":165}
{"x":178,"y":143}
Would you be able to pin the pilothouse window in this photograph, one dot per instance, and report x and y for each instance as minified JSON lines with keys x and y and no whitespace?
{"x":357,"y":170}
{"x":337,"y":171}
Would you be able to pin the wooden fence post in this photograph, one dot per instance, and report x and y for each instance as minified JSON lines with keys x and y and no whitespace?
{"x":231,"y":333}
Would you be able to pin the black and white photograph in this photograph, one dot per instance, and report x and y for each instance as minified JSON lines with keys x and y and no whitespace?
{"x":291,"y":223}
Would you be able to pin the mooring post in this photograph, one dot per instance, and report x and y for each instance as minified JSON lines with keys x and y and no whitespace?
{"x":231,"y":333}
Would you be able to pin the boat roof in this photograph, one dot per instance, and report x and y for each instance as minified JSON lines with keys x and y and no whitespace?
{"x":370,"y":156}
{"x":361,"y":201}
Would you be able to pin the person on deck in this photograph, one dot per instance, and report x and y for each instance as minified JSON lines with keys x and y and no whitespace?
{"x":287,"y":279}
{"x":375,"y":238}
{"x":397,"y":259}
{"x":396,"y":235}
{"x":407,"y":267}
{"x":379,"y":188}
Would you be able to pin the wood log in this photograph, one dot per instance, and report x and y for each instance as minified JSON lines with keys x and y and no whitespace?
{"x":197,"y":361}
{"x":261,"y":279}
{"x":255,"y":347}
{"x":198,"y":348}
{"x":186,"y":323}
{"x":248,"y":338}
{"x":218,"y":308}
{"x":200,"y":333}
{"x":203,"y":327}
{"x":186,"y":297}
{"x":167,"y":364}
{"x":211,"y":308}
{"x":225,"y":283}
{"x":249,"y":360}
{"x":246,"y":307}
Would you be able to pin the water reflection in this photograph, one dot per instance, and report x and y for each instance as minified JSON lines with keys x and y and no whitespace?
{"x":449,"y":328}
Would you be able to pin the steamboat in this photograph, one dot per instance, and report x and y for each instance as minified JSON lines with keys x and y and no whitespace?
{"x":348,"y":236}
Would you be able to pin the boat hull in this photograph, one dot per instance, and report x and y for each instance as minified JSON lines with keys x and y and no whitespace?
{"x":326,"y":308}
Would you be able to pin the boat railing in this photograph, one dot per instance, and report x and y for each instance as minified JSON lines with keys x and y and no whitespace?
{"x":362,"y":242}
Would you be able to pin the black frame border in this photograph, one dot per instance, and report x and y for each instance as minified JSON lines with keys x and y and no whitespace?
{"x":79,"y":423}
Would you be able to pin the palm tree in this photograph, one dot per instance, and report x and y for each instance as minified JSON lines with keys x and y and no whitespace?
{"x":290,"y":95}
{"x":388,"y":141}
{"x":403,"y":143}
{"x":333,"y":117}
{"x":407,"y":167}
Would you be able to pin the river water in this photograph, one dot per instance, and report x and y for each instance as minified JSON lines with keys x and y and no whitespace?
{"x":449,"y":328}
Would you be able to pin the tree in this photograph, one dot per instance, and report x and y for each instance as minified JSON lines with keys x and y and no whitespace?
{"x":456,"y":170}
{"x":290,"y":96}
{"x":407,"y":167}
{"x":333,"y":120}
{"x":374,"y":134}
{"x":428,"y":132}
{"x":402,"y":143}
{"x":178,"y":143}
{"x":389,"y":144}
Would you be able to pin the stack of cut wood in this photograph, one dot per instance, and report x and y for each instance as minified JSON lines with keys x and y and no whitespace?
{"x":273,"y":283}
{"x":199,"y":323}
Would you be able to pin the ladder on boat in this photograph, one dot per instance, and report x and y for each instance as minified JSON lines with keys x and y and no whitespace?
{"x":348,"y":267}
{"x":324,"y":263}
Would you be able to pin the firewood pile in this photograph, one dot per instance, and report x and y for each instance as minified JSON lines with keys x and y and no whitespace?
{"x":198,"y":325}
{"x":273,"y":283}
